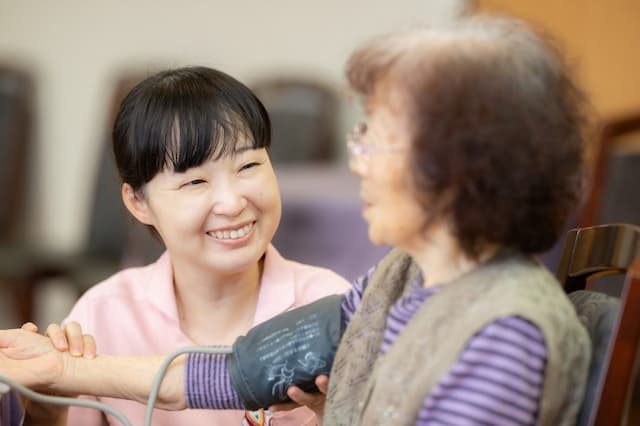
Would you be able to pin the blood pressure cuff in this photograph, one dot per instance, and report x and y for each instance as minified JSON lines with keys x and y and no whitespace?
{"x":290,"y":349}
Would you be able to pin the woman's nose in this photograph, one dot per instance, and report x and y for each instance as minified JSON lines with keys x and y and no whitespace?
{"x":357,"y":165}
{"x":227,"y":201}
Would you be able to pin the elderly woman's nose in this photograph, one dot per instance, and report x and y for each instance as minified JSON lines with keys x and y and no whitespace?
{"x":357,"y":165}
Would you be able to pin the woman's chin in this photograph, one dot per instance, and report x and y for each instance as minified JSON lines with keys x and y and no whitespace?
{"x":376,"y":237}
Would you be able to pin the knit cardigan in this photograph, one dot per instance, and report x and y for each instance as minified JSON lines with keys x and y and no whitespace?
{"x":366,"y":389}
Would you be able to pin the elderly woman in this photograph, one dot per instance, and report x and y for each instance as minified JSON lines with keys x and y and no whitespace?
{"x":470,"y":160}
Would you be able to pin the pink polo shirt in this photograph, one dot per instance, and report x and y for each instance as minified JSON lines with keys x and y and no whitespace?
{"x":134,"y":312}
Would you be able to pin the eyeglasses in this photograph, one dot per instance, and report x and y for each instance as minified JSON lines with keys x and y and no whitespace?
{"x":359,"y":150}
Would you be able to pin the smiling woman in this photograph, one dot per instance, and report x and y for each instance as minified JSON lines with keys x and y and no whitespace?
{"x":191,"y":149}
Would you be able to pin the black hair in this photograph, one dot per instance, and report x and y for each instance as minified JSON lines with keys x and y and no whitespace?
{"x":180,"y":118}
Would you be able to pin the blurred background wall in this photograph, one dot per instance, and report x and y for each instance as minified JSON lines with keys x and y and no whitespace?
{"x":601,"y":38}
{"x":76,"y":49}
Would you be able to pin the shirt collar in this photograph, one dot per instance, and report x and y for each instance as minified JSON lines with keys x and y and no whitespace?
{"x":276,"y":294}
{"x":277,"y":287}
{"x":159,"y":287}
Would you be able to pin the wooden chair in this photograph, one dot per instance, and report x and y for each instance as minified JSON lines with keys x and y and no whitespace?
{"x":613,"y":323}
{"x":304,"y":117}
{"x":114,"y":239}
{"x":613,"y":197}
{"x":17,"y":130}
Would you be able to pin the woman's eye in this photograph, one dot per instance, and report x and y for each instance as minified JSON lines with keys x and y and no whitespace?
{"x":249,"y":165}
{"x":194,"y":182}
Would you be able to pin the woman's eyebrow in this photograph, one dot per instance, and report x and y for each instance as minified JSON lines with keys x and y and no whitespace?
{"x":240,"y":150}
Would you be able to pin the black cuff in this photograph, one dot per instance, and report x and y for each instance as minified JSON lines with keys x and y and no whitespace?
{"x":290,"y":349}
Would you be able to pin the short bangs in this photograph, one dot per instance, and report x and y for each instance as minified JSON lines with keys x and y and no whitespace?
{"x":181,"y":118}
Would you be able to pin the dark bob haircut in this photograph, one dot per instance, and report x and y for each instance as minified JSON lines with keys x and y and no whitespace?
{"x":180,"y":118}
{"x":497,"y":127}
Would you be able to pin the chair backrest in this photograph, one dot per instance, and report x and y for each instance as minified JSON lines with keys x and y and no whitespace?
{"x":304,"y":119}
{"x":113,"y":234}
{"x":613,"y":195}
{"x":16,"y":133}
{"x":612,"y":323}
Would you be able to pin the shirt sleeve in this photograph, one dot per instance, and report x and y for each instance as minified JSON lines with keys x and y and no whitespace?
{"x":11,"y":410}
{"x":497,"y":379}
{"x":208,"y":384}
{"x":353,"y":297}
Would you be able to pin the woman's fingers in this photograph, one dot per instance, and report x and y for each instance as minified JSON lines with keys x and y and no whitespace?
{"x":322,"y":382}
{"x":70,"y":337}
{"x":89,"y":346}
{"x":29,"y":326}
{"x":73,"y":333}
{"x":57,"y":336}
{"x":314,"y":401}
{"x":310,"y":400}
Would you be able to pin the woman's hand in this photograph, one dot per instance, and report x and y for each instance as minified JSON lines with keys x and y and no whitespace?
{"x":65,"y":338}
{"x":313,"y":401}
{"x":70,"y":337}
{"x":29,"y":358}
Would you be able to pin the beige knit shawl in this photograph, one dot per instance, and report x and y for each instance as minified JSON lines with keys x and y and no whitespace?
{"x":367,"y":390}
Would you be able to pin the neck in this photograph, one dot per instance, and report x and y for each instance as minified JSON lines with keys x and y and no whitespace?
{"x":215,"y":309}
{"x":441,"y":258}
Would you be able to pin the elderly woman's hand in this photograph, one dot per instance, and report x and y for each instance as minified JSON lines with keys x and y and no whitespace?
{"x":29,"y":358}
{"x":313,"y":401}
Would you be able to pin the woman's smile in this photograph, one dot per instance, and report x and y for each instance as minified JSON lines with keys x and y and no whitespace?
{"x":234,"y":235}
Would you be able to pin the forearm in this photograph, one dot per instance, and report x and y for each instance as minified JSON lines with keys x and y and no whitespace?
{"x":124,"y":377}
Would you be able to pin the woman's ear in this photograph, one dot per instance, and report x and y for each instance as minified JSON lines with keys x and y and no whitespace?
{"x":136,"y":204}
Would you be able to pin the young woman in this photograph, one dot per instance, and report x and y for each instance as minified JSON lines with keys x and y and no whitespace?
{"x":470,"y":160}
{"x":191,"y":149}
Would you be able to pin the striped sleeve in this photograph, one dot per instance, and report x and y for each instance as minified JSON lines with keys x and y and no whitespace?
{"x":353,"y":297}
{"x":208,"y":384}
{"x":496,"y":381}
{"x":12,"y":412}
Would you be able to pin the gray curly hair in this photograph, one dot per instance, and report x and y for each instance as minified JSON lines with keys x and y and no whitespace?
{"x":497,"y":126}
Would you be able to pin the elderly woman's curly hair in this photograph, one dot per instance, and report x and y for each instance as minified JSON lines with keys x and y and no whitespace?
{"x":497,"y":127}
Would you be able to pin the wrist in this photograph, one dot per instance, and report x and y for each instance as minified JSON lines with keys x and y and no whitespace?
{"x":171,"y":395}
{"x":71,"y":379}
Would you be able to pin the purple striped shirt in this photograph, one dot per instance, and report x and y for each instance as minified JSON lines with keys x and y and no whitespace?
{"x":497,"y":380}
{"x":11,"y":411}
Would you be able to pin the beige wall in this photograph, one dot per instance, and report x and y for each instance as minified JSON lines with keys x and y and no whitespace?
{"x":602,"y":37}
{"x":76,"y":46}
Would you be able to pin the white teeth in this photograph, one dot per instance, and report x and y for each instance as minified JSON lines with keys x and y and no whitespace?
{"x":234,"y":233}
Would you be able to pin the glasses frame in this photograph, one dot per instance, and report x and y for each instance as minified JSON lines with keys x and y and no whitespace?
{"x":359,"y":151}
